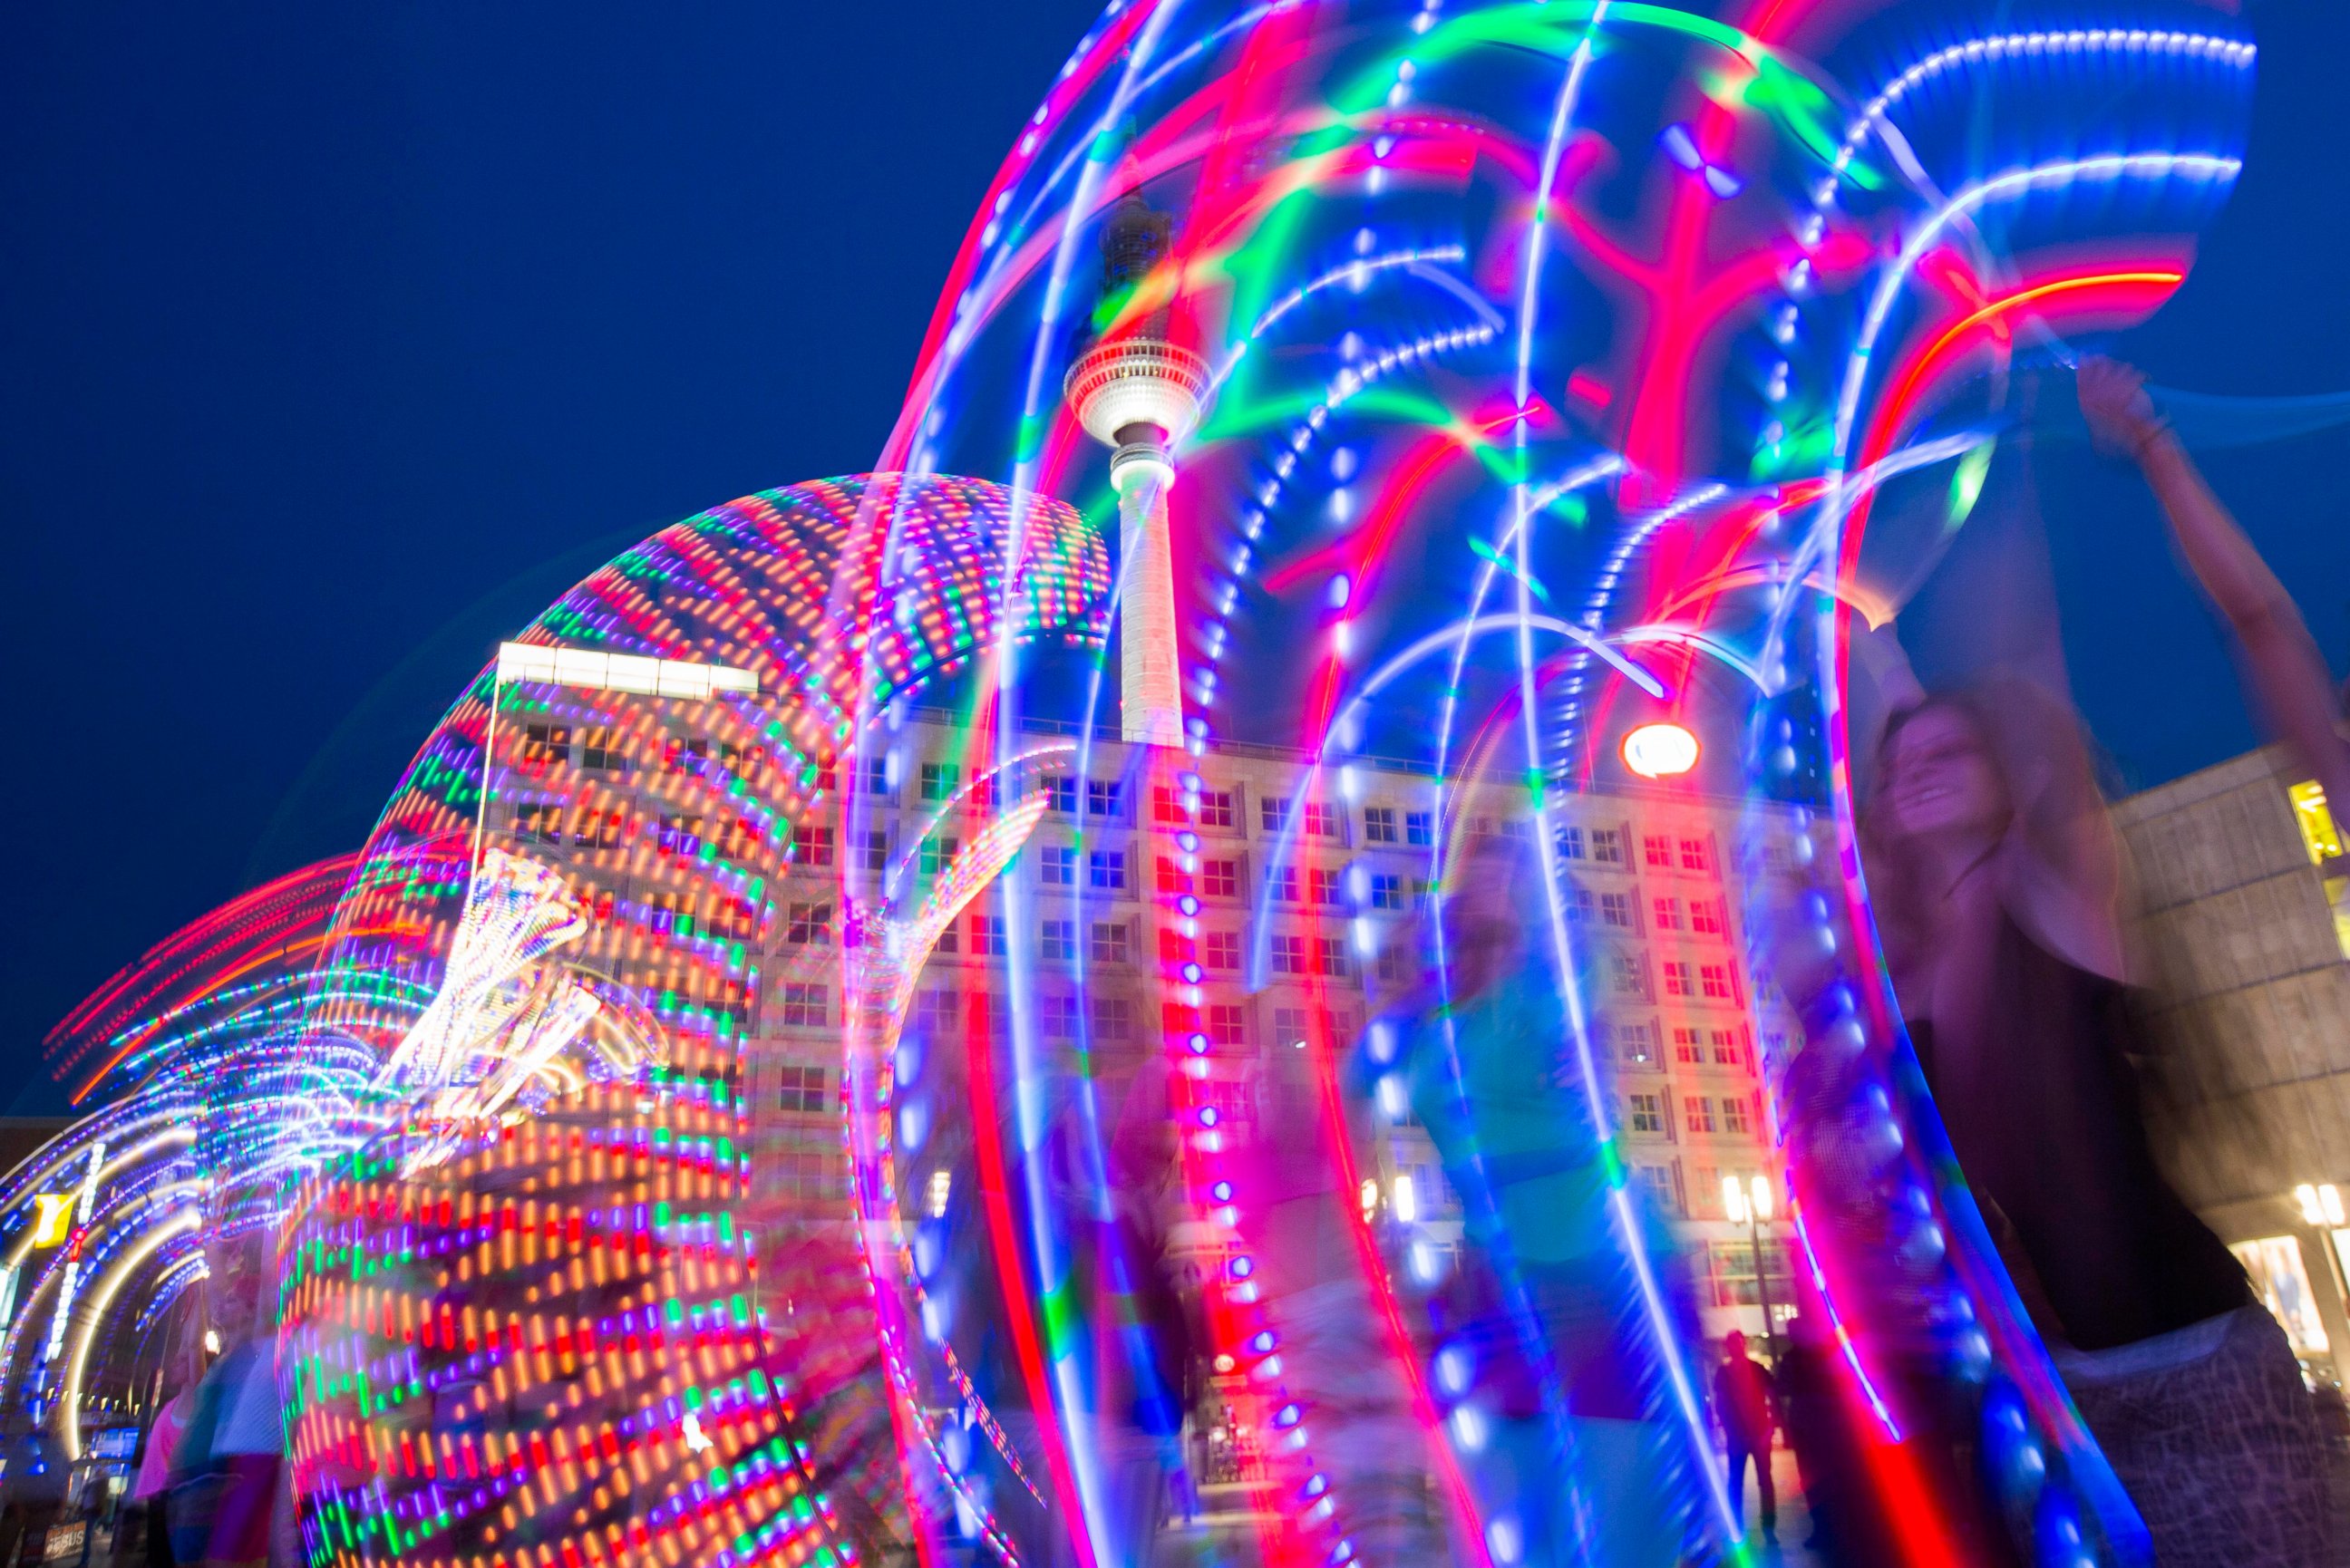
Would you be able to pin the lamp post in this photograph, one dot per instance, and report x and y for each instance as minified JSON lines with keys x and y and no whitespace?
{"x":1749,"y":1204}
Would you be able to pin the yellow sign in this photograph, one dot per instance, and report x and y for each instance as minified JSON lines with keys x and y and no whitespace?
{"x":2318,"y":835}
{"x":53,"y":1220}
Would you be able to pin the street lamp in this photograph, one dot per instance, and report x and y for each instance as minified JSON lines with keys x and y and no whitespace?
{"x":2320,"y":1205}
{"x":1660,"y":751}
{"x":1749,"y":1204}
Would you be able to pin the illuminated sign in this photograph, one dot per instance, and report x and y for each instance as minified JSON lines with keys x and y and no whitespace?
{"x":53,"y":1217}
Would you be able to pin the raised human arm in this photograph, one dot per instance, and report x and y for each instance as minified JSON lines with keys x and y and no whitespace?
{"x":2288,"y":677}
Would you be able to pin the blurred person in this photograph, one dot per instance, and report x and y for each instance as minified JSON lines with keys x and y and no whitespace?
{"x":38,"y":1474}
{"x":1746,"y":1405}
{"x":1336,"y":1354}
{"x":152,"y":1485}
{"x":1995,"y":876}
{"x":1583,"y":1462}
{"x":1807,"y":1413}
{"x":227,"y":1501}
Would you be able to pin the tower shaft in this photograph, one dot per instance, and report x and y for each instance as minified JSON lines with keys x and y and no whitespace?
{"x":1150,"y":693}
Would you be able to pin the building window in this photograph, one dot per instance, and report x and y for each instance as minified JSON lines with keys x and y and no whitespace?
{"x":740,"y":840}
{"x":1321,"y":888}
{"x":1570,"y":844}
{"x":1216,"y":808}
{"x":1221,"y":878}
{"x":682,"y":836}
{"x":1643,"y":1113}
{"x":1616,"y":908}
{"x":1624,"y":969}
{"x":599,"y":751}
{"x":1685,"y":1046}
{"x":1330,"y":955}
{"x":1283,"y":880}
{"x":1227,"y":1023}
{"x":736,"y":919}
{"x":811,"y":844}
{"x":939,"y":779}
{"x":1657,"y":849}
{"x":1607,"y":847}
{"x":1062,"y":1017}
{"x":1698,"y":1108}
{"x":1418,"y":828}
{"x":1378,"y":824}
{"x":934,"y":1012}
{"x":599,"y":830}
{"x":1220,"y":949}
{"x":1294,"y":1027}
{"x":807,"y":924}
{"x":1734,"y":1115}
{"x":1321,"y":821}
{"x":1060,"y":940}
{"x":1060,"y":867}
{"x":1659,"y":1182}
{"x":1395,"y":964}
{"x":1113,"y":1017}
{"x":947,"y":943}
{"x":1676,"y":978}
{"x":1726,"y":1053}
{"x":1716,"y":980}
{"x":1387,"y":891}
{"x":1166,"y":806}
{"x":1061,"y":793}
{"x":545,"y":746}
{"x":1705,"y":917}
{"x":808,"y":1175}
{"x":937,"y":854}
{"x":1668,"y":914}
{"x":1580,"y":905}
{"x":803,"y":1089}
{"x":1696,"y":854}
{"x":1102,"y":797}
{"x":1107,"y":869}
{"x":1109,"y":944}
{"x":803,"y":1005}
{"x":1637,"y":1044}
{"x":1288,"y":955}
{"x":873,"y":855}
{"x":988,"y":938}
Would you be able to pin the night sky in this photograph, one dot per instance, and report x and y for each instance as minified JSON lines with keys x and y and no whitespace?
{"x":336,"y":341}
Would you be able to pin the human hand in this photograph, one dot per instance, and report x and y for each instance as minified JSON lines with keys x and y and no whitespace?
{"x":2114,"y":400}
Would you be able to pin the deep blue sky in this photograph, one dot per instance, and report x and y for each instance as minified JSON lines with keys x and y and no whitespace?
{"x":336,"y":340}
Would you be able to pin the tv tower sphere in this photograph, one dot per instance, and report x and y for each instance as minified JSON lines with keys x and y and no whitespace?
{"x":1139,"y":395}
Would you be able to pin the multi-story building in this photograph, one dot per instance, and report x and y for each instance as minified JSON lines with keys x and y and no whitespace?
{"x":2240,"y":883}
{"x":1656,"y":912}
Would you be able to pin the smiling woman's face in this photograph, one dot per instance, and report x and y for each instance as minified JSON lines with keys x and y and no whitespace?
{"x":1940,"y":778}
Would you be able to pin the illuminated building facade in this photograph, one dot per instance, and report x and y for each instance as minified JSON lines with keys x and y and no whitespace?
{"x":1649,"y":886}
{"x":2241,"y":881}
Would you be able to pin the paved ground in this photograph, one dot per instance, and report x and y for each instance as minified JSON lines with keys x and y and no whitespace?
{"x":1796,"y":1524}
